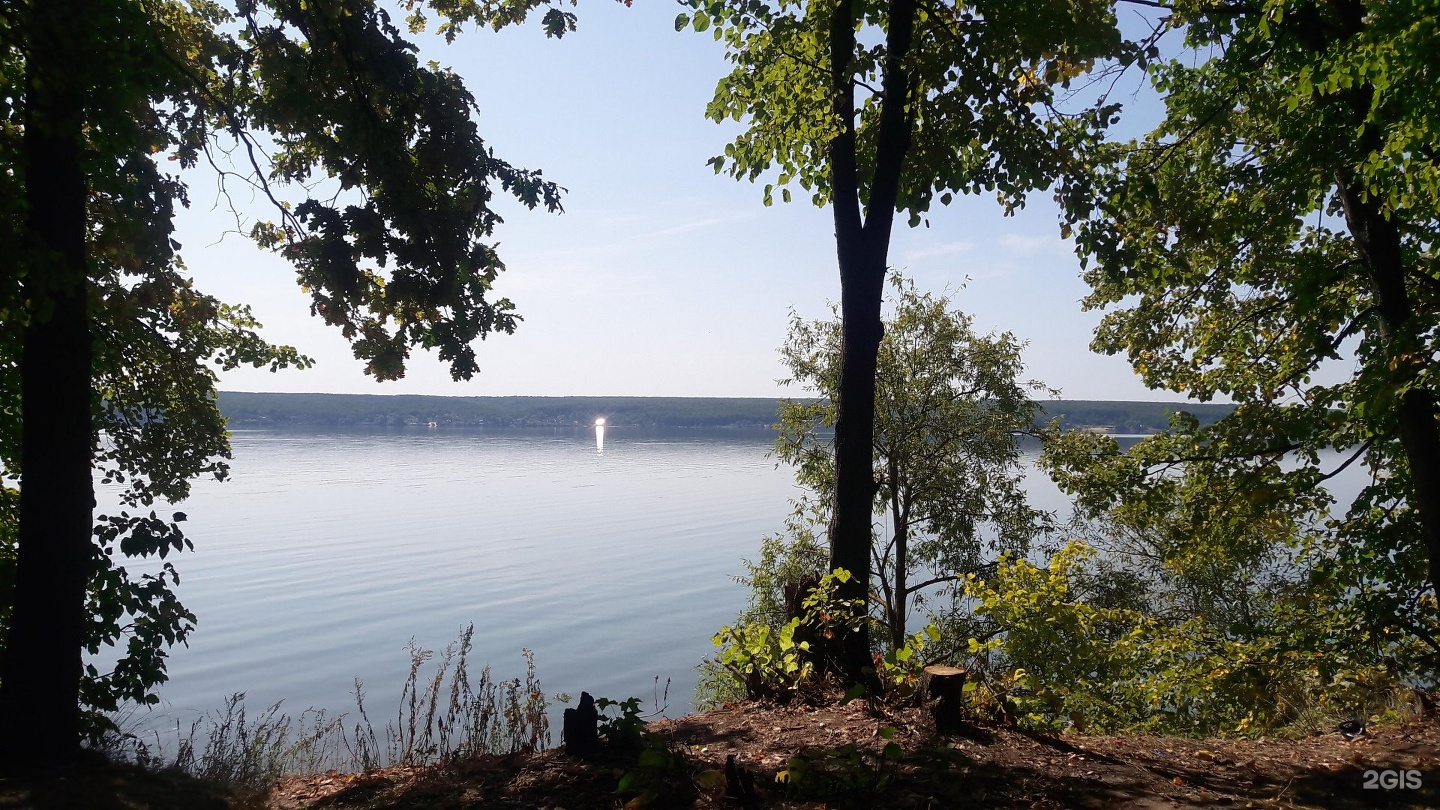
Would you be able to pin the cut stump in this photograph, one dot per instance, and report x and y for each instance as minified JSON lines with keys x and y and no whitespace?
{"x":944,"y":688}
{"x":580,"y":728}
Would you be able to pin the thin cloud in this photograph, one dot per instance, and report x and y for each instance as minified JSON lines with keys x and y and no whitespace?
{"x":700,"y":224}
{"x":1033,"y":245}
{"x":939,"y":251}
{"x":636,"y":233}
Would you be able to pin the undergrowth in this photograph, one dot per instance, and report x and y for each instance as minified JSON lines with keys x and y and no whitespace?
{"x":443,"y":717}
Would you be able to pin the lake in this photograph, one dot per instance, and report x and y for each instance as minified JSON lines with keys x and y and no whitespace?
{"x":326,"y":553}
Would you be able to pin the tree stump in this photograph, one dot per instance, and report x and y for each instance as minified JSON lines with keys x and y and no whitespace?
{"x":580,"y":729}
{"x":944,"y":689}
{"x":740,"y":785}
{"x":796,"y":593}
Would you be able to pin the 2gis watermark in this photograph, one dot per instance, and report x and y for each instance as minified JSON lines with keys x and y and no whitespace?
{"x":1392,"y":780}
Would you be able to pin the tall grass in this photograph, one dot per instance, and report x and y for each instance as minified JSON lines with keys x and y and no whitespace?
{"x":486,"y":717}
{"x":444,"y":717}
{"x":236,"y":749}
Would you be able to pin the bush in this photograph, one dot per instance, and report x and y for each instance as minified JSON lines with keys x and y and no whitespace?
{"x":777,"y":663}
{"x":1114,"y":669}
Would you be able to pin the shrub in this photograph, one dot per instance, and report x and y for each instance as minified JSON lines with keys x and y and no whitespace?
{"x":1112,"y":669}
{"x":777,"y":663}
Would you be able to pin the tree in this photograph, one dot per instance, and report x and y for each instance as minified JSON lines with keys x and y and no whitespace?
{"x":950,"y":407}
{"x":879,"y":106}
{"x":1273,"y":241}
{"x":106,"y":339}
{"x":1197,"y":603}
{"x":154,"y":338}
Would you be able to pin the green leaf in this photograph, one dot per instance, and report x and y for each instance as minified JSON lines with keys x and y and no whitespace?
{"x":710,"y":780}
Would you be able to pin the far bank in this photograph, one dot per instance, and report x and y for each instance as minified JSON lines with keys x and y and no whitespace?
{"x":251,"y":410}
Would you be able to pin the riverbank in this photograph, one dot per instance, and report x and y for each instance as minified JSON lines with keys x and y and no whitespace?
{"x":247,"y":410}
{"x":835,"y":757}
{"x":822,"y":752}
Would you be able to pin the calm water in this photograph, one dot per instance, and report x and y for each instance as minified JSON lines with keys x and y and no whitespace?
{"x":327,"y":552}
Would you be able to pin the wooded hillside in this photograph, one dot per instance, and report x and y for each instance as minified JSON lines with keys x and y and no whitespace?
{"x":251,"y":410}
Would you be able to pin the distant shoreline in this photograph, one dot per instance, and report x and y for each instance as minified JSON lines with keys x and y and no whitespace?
{"x":252,"y":410}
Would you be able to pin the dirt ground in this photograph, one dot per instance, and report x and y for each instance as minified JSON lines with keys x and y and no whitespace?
{"x":832,"y":757}
{"x":820,"y":749}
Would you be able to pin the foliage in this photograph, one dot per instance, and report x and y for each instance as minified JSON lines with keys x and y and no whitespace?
{"x":1111,"y":668}
{"x":981,"y":78}
{"x":159,"y":341}
{"x":779,"y":663}
{"x":762,"y":643}
{"x":716,"y":686}
{"x":661,"y":775}
{"x":254,"y":751}
{"x":768,"y":662}
{"x":1272,"y":240}
{"x":1127,"y":417}
{"x":624,"y":728}
{"x":1250,"y":547}
{"x":789,"y":562}
{"x":874,"y":108}
{"x":950,"y":406}
{"x":387,"y":232}
{"x":495,"y":14}
{"x":900,"y":668}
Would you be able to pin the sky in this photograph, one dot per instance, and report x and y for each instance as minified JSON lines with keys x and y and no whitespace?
{"x":661,"y":278}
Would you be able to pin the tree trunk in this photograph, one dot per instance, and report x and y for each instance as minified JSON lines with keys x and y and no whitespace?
{"x":901,"y":589}
{"x":1378,"y":241}
{"x":861,"y":285}
{"x":862,"y":243}
{"x":849,"y":530}
{"x":39,"y":688}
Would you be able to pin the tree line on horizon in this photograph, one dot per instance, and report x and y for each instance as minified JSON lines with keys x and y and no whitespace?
{"x":258,"y":410}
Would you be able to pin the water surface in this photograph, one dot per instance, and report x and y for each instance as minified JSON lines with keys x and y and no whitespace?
{"x":327,"y":552}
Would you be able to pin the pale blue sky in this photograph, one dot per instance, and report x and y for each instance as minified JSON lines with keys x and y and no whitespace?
{"x":661,"y":278}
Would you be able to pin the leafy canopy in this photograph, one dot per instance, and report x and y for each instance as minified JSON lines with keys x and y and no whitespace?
{"x":1234,"y":249}
{"x":983,"y":79}
{"x":1223,"y":250}
{"x":381,"y":189}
